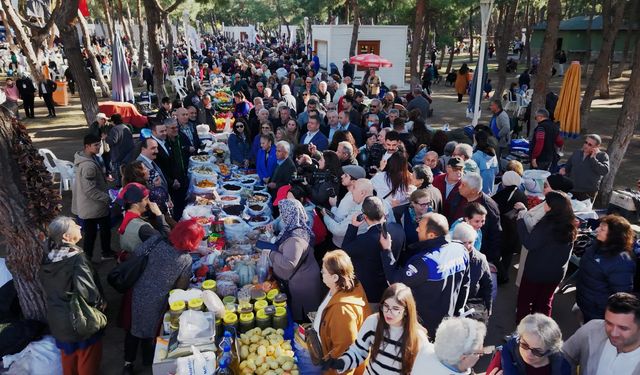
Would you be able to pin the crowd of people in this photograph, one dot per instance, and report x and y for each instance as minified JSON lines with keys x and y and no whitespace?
{"x":396,"y":235}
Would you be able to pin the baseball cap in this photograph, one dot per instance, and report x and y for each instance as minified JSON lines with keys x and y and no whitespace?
{"x":355,"y":171}
{"x":456,"y":162}
{"x":101,"y":116}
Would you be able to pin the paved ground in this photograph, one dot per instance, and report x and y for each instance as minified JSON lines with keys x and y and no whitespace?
{"x":63,"y":136}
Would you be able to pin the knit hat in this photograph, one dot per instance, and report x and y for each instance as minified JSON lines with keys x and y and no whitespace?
{"x":132,"y":193}
{"x":511,"y":178}
{"x":560,"y":182}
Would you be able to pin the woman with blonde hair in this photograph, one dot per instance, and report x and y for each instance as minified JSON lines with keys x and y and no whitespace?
{"x":344,"y":309}
{"x":391,"y":339}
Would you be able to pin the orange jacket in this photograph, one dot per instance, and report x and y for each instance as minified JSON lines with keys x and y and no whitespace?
{"x":341,"y":320}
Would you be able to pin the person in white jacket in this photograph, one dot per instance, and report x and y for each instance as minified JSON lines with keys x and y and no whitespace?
{"x":338,"y":225}
{"x":457,"y":348}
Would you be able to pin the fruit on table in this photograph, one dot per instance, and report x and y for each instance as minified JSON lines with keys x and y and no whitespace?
{"x":266,"y":352}
{"x":205,"y":184}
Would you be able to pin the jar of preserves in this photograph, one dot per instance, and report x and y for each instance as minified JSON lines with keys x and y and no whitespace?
{"x":196,"y":304}
{"x":175,"y":310}
{"x":280,"y":318}
{"x":247,"y":322}
{"x":262,"y":319}
{"x":230,"y":322}
{"x":209,"y":285}
{"x":259,"y":305}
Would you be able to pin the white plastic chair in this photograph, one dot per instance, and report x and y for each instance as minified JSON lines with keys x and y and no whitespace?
{"x":96,"y":88}
{"x":512,"y":103}
{"x":182,"y":93}
{"x":63,"y":168}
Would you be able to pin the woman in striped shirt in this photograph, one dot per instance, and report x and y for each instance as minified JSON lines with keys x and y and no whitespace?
{"x":391,"y":343}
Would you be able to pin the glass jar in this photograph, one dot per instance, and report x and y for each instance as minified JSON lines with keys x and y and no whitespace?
{"x":272,"y":294}
{"x":280,"y":300}
{"x":196,"y":304}
{"x":209,"y":285}
{"x":175,"y":310}
{"x":247,"y":322}
{"x":258,"y":295}
{"x":218,"y":332}
{"x":280,"y":318}
{"x":259,"y":305}
{"x":229,"y":299}
{"x":262,"y":319}
{"x":231,"y":322}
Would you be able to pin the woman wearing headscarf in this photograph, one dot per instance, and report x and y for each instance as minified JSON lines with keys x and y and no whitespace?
{"x":293,"y":262}
{"x":506,"y":199}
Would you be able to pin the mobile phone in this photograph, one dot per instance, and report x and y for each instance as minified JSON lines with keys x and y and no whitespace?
{"x":360,"y":217}
{"x":385,"y":233}
{"x":328,"y":213}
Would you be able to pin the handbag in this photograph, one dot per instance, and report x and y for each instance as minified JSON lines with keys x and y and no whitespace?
{"x":124,"y":276}
{"x":86,"y":320}
{"x":312,"y":340}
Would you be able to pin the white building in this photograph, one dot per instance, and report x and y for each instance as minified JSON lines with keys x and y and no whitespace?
{"x":390,"y":42}
{"x":240,"y":33}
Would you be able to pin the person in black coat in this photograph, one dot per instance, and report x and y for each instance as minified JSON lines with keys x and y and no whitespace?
{"x":27,"y":91}
{"x":365,"y":249}
{"x":549,"y":243}
{"x":284,"y":171}
{"x":147,"y":76}
{"x":68,"y":75}
{"x":46,"y":89}
{"x":506,"y":199}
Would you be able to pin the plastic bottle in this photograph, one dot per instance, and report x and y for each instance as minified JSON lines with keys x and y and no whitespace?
{"x":225,"y":362}
{"x":227,"y":341}
{"x":445,"y":127}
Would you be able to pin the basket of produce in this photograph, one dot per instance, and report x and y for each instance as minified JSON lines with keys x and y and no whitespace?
{"x":204,"y":186}
{"x":196,"y":160}
{"x":258,"y":220}
{"x":231,"y":188}
{"x":204,"y":171}
{"x":229,"y":199}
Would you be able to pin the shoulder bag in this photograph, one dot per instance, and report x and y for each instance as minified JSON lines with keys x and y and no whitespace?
{"x":124,"y":276}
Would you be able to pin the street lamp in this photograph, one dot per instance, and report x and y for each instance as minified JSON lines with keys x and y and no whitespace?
{"x":485,"y":13}
{"x":306,"y":31}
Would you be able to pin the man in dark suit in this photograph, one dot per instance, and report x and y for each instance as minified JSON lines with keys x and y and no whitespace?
{"x":285,"y":169}
{"x":148,"y":154}
{"x":355,"y":131}
{"x":164,"y":159}
{"x":354,"y":116}
{"x":147,"y":76}
{"x":46,"y":87}
{"x":314,"y":135}
{"x":365,"y":249}
{"x":27,"y":93}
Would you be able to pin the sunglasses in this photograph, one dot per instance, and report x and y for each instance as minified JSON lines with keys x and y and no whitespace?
{"x":535,"y":351}
{"x":239,"y":126}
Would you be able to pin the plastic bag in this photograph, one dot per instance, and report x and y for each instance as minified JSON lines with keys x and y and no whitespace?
{"x":197,"y":364}
{"x":213,"y":303}
{"x":39,"y":357}
{"x":195,"y":328}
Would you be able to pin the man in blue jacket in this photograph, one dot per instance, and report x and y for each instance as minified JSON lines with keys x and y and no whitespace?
{"x":437,"y":274}
{"x":314,"y":135}
{"x":365,"y":250}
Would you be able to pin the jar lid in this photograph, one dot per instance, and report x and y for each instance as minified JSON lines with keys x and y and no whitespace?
{"x":258,"y":294}
{"x":261,"y":314}
{"x":247,"y":317}
{"x":261,"y":304}
{"x":229,"y":299}
{"x":208,"y":284}
{"x":177,"y":306}
{"x":281,"y":297}
{"x":281,"y":311}
{"x":195,"y":303}
{"x":230,"y":318}
{"x":272,"y":294}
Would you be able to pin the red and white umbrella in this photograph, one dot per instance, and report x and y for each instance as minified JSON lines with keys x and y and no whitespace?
{"x":370,"y":60}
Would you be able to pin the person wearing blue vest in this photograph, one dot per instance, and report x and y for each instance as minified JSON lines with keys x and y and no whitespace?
{"x":437,"y":274}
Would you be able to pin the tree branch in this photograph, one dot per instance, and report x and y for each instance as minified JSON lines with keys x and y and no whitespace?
{"x":173,"y":6}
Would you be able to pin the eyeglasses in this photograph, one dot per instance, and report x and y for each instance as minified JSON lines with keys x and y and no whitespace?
{"x":535,"y":351}
{"x":239,"y":126}
{"x":395,"y":310}
{"x":373,"y":106}
{"x":423,"y":205}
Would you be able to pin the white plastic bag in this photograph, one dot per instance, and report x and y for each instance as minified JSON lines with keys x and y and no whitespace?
{"x":197,"y":364}
{"x":195,"y":328}
{"x":38,"y":358}
{"x":214,"y":303}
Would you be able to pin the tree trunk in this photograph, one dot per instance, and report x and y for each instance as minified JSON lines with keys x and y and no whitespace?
{"x":127,"y":33}
{"x":627,"y":121}
{"x":424,"y":46}
{"x":355,"y":10}
{"x":450,"y":63}
{"x":416,"y":44}
{"x":612,"y":18}
{"x":633,"y":18}
{"x":141,"y":50}
{"x":95,"y":66}
{"x":442,"y":53}
{"x":471,"y":34}
{"x":531,"y":17}
{"x":66,"y":21}
{"x":169,"y":45}
{"x":24,"y":40}
{"x":587,"y":57}
{"x":5,"y":23}
{"x":154,"y":22}
{"x":502,"y":49}
{"x":107,"y":16}
{"x":27,"y":188}
{"x":542,"y":77}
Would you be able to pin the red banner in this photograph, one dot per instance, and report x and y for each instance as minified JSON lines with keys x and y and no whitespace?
{"x":84,"y":9}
